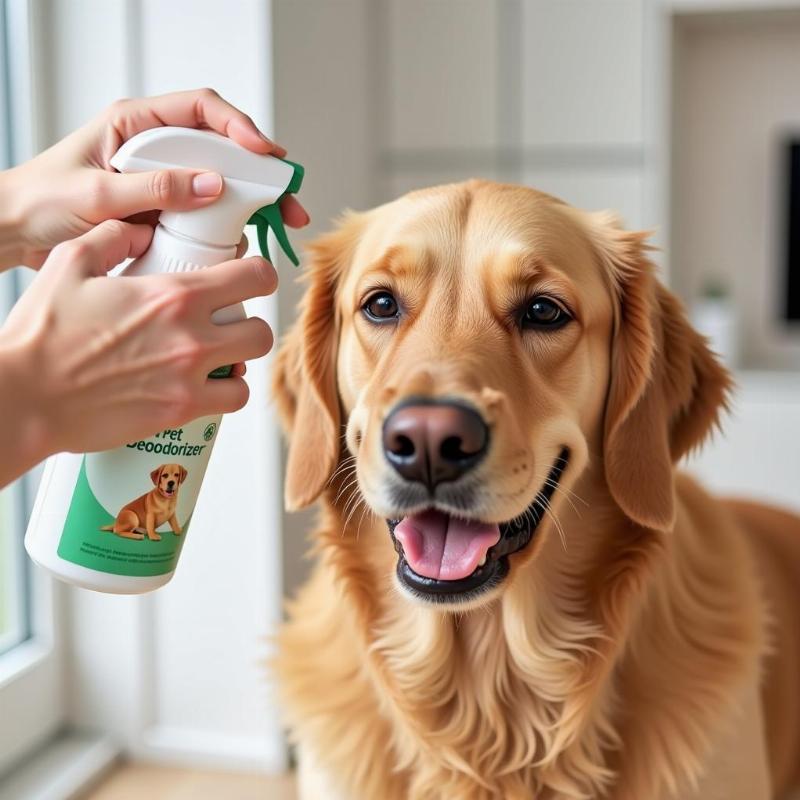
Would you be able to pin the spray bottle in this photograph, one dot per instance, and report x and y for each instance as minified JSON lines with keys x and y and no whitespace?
{"x":115,"y":521}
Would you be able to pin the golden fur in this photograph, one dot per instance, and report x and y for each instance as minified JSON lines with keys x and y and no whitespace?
{"x":623,"y":655}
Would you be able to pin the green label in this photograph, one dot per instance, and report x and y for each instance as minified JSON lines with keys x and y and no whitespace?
{"x":131,"y":507}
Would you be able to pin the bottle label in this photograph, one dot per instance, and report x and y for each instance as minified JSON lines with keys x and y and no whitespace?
{"x":131,"y":508}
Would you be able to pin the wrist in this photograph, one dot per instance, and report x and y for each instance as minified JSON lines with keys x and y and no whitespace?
{"x":22,"y":408}
{"x":13,"y":215}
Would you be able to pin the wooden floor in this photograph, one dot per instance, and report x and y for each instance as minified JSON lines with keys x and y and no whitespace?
{"x":137,"y":781}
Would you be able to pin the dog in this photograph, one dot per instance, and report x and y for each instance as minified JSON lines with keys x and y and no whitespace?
{"x":516,"y":593}
{"x":147,"y":513}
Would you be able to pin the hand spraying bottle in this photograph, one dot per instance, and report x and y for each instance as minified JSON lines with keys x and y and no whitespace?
{"x":115,"y":521}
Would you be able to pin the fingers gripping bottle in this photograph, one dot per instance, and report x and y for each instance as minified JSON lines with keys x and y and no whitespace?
{"x":115,"y":521}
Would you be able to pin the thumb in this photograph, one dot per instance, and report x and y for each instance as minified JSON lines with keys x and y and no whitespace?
{"x":165,"y":189}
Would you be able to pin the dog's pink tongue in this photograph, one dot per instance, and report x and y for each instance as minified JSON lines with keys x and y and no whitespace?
{"x":436,"y":545}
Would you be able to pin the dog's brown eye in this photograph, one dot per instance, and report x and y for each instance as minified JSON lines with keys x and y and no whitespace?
{"x":381,"y":307}
{"x":542,"y":312}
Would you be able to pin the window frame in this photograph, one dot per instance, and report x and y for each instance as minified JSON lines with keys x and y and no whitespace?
{"x":111,"y":642}
{"x":31,"y":682}
{"x":15,"y":574}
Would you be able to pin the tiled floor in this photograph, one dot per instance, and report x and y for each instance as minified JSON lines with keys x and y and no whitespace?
{"x":137,"y":781}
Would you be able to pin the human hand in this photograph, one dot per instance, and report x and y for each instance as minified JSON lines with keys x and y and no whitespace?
{"x":89,"y":363}
{"x":70,"y":188}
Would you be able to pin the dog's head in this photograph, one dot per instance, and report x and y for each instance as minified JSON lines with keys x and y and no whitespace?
{"x":167,"y":478}
{"x":483,"y":346}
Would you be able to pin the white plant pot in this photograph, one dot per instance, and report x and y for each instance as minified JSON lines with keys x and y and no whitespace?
{"x":716,"y":319}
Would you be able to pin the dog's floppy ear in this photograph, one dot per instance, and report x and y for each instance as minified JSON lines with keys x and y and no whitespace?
{"x":666,"y":390}
{"x":184,"y":473}
{"x":304,"y":381}
{"x":154,"y":475}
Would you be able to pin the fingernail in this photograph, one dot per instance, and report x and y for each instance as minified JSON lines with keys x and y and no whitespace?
{"x":276,"y":148}
{"x":207,"y":184}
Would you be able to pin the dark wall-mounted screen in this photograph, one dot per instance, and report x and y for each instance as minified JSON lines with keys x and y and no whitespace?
{"x":791,"y":306}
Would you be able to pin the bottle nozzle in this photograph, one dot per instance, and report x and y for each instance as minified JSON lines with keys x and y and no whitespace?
{"x":250,"y":181}
{"x":269,"y":217}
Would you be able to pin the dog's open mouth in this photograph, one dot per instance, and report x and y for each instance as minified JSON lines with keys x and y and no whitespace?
{"x":449,"y":559}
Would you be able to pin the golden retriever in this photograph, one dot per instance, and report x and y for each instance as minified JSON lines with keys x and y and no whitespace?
{"x":516,"y":594}
{"x":151,"y":510}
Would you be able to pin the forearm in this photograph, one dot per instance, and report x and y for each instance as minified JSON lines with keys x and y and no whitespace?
{"x":12,"y":216}
{"x":24,"y":440}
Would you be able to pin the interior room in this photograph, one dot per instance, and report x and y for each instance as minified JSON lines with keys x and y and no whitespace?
{"x":682,"y":116}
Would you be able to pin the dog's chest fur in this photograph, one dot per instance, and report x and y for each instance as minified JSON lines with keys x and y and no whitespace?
{"x":490,"y":705}
{"x":524,"y":698}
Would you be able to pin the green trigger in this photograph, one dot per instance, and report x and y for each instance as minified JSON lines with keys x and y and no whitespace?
{"x":270,"y":217}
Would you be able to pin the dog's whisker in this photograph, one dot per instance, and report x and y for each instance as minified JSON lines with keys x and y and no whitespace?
{"x":342,"y":491}
{"x":354,"y":497}
{"x":546,"y":506}
{"x":350,"y":481}
{"x":352,"y":500}
{"x":566,"y":491}
{"x":347,"y":477}
{"x":545,"y":503}
{"x":342,"y":469}
{"x":361,"y":520}
{"x":556,"y":488}
{"x":346,"y":524}
{"x":529,"y":516}
{"x":350,"y":516}
{"x":342,"y":474}
{"x":569,"y":500}
{"x":345,"y":467}
{"x":359,"y":500}
{"x":366,"y":512}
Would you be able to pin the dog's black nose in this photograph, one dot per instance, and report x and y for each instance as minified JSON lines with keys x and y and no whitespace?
{"x":434,"y":442}
{"x":170,"y":484}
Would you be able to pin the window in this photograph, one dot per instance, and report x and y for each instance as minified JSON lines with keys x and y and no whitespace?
{"x":14,"y":607}
{"x":14,"y":617}
{"x":30,"y":681}
{"x":124,"y":678}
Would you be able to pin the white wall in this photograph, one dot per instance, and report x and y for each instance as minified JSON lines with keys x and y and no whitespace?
{"x":736,"y":100}
{"x":757,"y":455}
{"x":324,"y":113}
{"x":547,"y":93}
{"x":179,"y":675}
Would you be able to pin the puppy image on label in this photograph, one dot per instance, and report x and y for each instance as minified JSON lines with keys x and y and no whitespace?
{"x":147,"y":513}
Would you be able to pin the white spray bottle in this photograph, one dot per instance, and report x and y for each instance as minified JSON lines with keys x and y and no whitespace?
{"x":115,"y":521}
